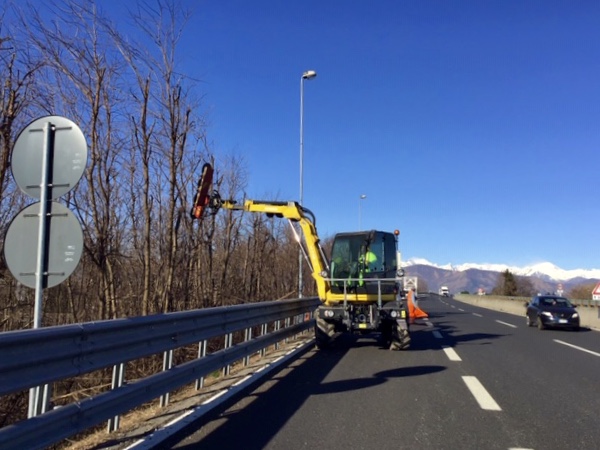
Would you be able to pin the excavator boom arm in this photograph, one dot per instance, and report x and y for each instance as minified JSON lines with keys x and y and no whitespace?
{"x":295,"y":213}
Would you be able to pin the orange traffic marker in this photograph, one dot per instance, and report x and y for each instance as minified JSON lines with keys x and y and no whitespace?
{"x":414,"y":312}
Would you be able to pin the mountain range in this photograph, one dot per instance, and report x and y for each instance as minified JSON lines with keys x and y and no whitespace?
{"x":545,"y":277}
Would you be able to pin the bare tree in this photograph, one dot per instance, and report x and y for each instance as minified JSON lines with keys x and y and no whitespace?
{"x":18,"y":92}
{"x":164,"y":140}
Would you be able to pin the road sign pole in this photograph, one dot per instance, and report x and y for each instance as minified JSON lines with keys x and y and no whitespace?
{"x":42,"y":244}
{"x":38,"y":401}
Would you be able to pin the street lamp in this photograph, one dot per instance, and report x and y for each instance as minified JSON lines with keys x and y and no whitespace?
{"x":362,"y":197}
{"x":305,"y":76}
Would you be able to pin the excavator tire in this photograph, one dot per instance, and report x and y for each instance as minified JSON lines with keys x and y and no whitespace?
{"x":400,"y":339}
{"x":323,"y":333}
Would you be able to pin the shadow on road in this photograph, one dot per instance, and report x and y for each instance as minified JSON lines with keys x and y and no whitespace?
{"x":254,"y":420}
{"x":250,"y":421}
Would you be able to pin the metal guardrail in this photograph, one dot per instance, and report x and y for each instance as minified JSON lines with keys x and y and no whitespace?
{"x":30,"y":358}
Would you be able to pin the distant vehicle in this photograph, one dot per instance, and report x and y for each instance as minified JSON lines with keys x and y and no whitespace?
{"x":551,"y":311}
{"x":411,"y":283}
{"x":444,"y":291}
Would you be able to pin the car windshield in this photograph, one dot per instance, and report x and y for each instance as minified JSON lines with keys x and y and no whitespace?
{"x":558,"y":302}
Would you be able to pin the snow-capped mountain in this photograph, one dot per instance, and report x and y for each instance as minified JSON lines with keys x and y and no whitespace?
{"x":542,"y":270}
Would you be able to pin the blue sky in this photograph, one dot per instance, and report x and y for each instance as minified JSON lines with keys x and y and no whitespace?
{"x":472,"y":127}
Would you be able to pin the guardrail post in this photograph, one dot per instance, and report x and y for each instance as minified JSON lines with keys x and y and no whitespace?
{"x":286,"y":325}
{"x":167,"y":364}
{"x":299,"y":319}
{"x":263,"y":331}
{"x":118,"y":376}
{"x":39,"y":399}
{"x":228,"y":343}
{"x":277,"y":328}
{"x":247,"y":337}
{"x":201,"y":354}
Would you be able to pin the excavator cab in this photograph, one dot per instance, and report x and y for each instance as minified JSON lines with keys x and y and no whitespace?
{"x":359,"y":256}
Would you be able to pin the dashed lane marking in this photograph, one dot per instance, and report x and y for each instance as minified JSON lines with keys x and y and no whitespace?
{"x":482,"y":396}
{"x":477,"y":315}
{"x":426,"y":322}
{"x":451,"y":354}
{"x":507,"y":324}
{"x":577,"y":348}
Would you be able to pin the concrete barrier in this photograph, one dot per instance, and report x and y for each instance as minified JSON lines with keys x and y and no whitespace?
{"x":588,"y":313}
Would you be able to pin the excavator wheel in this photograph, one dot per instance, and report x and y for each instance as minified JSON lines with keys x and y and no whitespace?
{"x":323,"y":333}
{"x":400,"y":339}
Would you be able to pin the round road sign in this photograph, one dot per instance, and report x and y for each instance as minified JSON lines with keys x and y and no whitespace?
{"x":68,"y":162}
{"x":64,"y":243}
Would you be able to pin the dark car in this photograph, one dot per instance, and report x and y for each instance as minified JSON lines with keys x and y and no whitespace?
{"x":551,"y":311}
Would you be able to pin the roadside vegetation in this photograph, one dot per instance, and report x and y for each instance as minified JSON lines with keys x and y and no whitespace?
{"x":511,"y":285}
{"x":148,"y":135}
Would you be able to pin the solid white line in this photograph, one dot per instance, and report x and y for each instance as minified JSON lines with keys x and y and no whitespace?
{"x":482,"y":396}
{"x":578,"y":348}
{"x":450,"y":353}
{"x":214,"y":397}
{"x":507,"y":324}
{"x":243,"y":380}
{"x":135,"y":444}
{"x":437,"y":334}
{"x":181,"y":417}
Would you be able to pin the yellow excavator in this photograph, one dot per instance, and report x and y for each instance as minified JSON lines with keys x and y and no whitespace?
{"x":359,"y":286}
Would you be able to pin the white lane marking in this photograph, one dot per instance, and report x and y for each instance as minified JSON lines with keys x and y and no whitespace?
{"x":576,"y":347}
{"x":477,"y":314}
{"x":214,"y":397}
{"x":507,"y":324}
{"x":177,"y":419}
{"x":450,"y":353}
{"x":460,"y":309}
{"x":437,"y":334}
{"x":243,"y":380}
{"x":482,"y":396}
{"x":428,"y":323}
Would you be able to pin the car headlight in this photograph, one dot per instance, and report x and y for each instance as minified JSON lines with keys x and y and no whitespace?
{"x":546,"y":313}
{"x":575,"y":315}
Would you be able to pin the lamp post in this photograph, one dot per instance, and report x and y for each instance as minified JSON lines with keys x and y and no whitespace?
{"x":305,"y":76}
{"x":362,"y":197}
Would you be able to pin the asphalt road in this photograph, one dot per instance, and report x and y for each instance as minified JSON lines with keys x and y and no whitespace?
{"x":473,"y":379}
